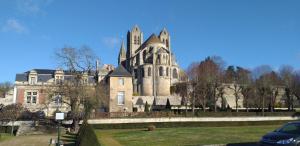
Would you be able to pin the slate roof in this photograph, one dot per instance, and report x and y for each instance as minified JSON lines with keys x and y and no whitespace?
{"x":44,"y":71}
{"x":152,"y":39}
{"x":120,"y":71}
{"x":21,"y":77}
{"x":44,"y":77}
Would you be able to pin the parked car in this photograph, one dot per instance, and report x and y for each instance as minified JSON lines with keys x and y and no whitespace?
{"x":287,"y":135}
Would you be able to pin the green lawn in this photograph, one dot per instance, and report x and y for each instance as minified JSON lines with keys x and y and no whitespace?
{"x":183,"y":136}
{"x":5,"y":136}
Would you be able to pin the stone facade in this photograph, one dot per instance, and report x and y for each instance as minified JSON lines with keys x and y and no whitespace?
{"x":120,"y":93}
{"x":32,"y":87}
{"x":151,"y":63}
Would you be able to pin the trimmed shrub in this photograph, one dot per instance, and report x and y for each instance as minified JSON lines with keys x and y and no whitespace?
{"x":87,"y":136}
{"x":185,"y":124}
{"x":151,"y":128}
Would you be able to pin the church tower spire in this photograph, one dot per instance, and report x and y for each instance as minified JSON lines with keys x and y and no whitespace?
{"x":122,"y":54}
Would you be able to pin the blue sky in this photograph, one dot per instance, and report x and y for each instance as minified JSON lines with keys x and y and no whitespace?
{"x":247,"y":33}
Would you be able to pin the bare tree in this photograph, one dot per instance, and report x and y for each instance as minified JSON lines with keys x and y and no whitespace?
{"x":182,"y":90}
{"x":205,"y":80}
{"x":239,"y":80}
{"x":12,"y":113}
{"x":76,"y":91}
{"x":286,"y":74}
{"x":4,"y":88}
{"x":192,"y":80}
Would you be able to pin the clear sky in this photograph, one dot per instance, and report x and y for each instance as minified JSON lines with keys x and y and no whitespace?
{"x":247,"y":33}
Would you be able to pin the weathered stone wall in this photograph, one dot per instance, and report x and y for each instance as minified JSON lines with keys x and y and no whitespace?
{"x":115,"y":87}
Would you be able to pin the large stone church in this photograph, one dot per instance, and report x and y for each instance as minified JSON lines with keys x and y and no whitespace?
{"x":151,"y":62}
{"x":153,"y":68}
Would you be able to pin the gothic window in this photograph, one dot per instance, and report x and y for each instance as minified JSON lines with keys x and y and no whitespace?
{"x":135,"y":73}
{"x":151,"y":50}
{"x":158,"y":58}
{"x":167,"y":43}
{"x":135,"y":40}
{"x":144,"y":55}
{"x":138,"y":40}
{"x":163,"y":40}
{"x":143,"y":72}
{"x":161,"y":71}
{"x":175,"y":74}
{"x":137,"y":59}
{"x":167,"y":72}
{"x":149,"y":71}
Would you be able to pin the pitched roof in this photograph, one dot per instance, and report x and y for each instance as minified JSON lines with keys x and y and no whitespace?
{"x":44,"y":71}
{"x":21,"y":77}
{"x":120,"y":71}
{"x":152,"y":39}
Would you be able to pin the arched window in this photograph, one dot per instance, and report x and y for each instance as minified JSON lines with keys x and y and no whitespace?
{"x":167,"y":72}
{"x":135,"y":40}
{"x":144,"y":55}
{"x":167,"y":43}
{"x":161,"y":71}
{"x":158,"y":59}
{"x":143,"y":72}
{"x":138,"y":40}
{"x":175,"y":74}
{"x":149,"y":71}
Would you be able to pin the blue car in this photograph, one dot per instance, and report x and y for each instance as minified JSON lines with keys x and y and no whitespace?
{"x":287,"y":135}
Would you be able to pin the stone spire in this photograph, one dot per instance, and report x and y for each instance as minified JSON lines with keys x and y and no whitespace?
{"x":122,"y":53}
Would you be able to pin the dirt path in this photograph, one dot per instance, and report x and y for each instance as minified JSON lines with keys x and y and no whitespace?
{"x":33,"y":140}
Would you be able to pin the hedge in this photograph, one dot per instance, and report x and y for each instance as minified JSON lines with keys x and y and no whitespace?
{"x":87,"y":136}
{"x":7,"y":129}
{"x":185,"y":124}
{"x":175,"y":113}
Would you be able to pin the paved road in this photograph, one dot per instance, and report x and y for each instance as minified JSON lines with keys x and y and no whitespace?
{"x":236,"y":144}
{"x":243,"y":144}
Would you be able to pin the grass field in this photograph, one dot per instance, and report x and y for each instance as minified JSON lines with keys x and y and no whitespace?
{"x":5,"y":136}
{"x":182,"y":136}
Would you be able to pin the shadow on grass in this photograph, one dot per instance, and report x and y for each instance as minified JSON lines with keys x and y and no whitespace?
{"x":243,"y":144}
{"x":69,"y":139}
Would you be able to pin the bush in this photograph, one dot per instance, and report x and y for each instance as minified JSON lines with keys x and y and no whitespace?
{"x":7,"y":129}
{"x":87,"y":136}
{"x":151,"y":128}
{"x":185,"y":124}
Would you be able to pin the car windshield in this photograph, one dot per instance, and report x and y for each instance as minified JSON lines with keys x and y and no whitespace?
{"x":292,"y":128}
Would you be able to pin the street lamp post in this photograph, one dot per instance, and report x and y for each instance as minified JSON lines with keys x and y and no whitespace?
{"x":59,"y":116}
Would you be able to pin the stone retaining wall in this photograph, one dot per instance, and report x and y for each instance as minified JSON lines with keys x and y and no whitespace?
{"x":189,"y":119}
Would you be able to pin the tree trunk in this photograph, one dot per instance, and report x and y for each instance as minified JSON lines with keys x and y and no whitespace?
{"x":75,"y":125}
{"x":193,"y":104}
{"x":12,"y":127}
{"x":263,"y":106}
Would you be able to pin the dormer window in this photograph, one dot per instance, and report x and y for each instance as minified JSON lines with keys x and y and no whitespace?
{"x":58,"y":79}
{"x":32,"y":80}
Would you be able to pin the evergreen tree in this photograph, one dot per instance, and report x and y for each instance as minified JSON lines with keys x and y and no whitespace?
{"x":146,"y":107}
{"x":168,"y":105}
